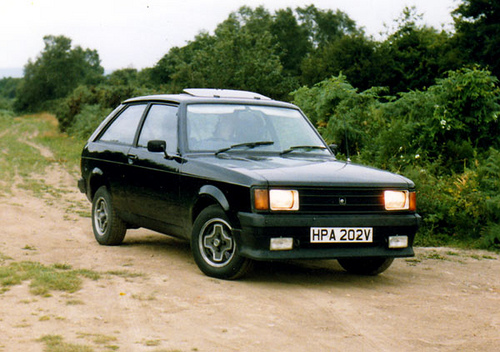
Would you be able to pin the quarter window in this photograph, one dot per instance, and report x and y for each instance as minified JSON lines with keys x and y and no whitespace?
{"x":160,"y":124}
{"x":122,"y":130}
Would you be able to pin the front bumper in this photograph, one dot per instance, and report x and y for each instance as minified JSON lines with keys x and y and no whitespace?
{"x":257,"y":230}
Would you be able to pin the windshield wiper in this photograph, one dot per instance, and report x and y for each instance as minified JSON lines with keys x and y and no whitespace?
{"x":249,"y":145}
{"x":306,"y":147}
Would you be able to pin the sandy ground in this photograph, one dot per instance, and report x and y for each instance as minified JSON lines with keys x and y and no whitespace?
{"x":442,"y":300}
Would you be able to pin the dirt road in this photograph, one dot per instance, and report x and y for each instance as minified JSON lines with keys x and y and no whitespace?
{"x":441,"y":300}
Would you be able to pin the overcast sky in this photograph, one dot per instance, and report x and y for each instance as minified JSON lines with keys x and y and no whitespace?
{"x":137,"y":33}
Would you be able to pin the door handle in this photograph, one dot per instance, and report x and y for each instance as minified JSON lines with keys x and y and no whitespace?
{"x":132,"y":158}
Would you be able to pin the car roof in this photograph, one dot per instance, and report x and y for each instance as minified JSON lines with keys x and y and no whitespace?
{"x":210,"y":95}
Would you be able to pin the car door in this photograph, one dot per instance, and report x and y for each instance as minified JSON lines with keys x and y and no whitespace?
{"x":109,"y":151}
{"x":153,"y":178}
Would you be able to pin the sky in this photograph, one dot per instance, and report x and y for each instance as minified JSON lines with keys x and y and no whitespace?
{"x":138,"y":33}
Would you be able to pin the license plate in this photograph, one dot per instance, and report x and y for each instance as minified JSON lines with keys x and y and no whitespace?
{"x":341,"y":234}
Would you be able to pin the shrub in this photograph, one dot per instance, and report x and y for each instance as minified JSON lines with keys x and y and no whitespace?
{"x":104,"y":96}
{"x":87,"y":120}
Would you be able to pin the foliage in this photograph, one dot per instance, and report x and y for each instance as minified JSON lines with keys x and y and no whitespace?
{"x":85,"y":101}
{"x":87,"y":120}
{"x":8,"y":88}
{"x":415,"y":55}
{"x":240,"y":55}
{"x":56,"y":72}
{"x":477,"y":36}
{"x":451,"y":121}
{"x":340,"y":112}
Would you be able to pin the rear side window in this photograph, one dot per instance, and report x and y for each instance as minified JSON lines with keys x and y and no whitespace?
{"x":122,"y":130}
{"x":160,"y":124}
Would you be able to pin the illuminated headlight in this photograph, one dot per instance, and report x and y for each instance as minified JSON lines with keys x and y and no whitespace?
{"x":276,"y":199}
{"x":396,"y":200}
{"x":399,"y":200}
{"x":280,"y":199}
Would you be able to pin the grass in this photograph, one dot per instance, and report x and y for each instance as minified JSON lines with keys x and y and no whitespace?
{"x":45,"y":279}
{"x":55,"y":343}
{"x":19,"y":159}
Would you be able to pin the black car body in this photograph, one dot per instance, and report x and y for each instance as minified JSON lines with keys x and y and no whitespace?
{"x":269,"y":189}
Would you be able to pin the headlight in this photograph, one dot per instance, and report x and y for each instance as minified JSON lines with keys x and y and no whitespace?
{"x":399,"y":200}
{"x":276,"y":199}
{"x":280,"y":199}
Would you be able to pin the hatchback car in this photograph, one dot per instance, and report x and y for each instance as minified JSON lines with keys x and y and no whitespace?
{"x":243,"y":178}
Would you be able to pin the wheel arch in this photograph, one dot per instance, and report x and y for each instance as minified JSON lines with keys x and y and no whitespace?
{"x":96,"y":180}
{"x":209,"y":195}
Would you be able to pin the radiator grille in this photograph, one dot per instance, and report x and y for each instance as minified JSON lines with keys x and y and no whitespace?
{"x":321,"y":200}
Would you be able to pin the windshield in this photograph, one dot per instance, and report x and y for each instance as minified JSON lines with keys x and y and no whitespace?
{"x":224,"y":127}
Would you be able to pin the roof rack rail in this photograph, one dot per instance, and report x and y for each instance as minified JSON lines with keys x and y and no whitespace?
{"x":224,"y":93}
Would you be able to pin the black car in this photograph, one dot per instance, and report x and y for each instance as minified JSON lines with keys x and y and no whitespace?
{"x":243,"y":178}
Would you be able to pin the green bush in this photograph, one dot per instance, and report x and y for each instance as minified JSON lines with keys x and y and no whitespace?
{"x":87,"y":120}
{"x":105,"y":96}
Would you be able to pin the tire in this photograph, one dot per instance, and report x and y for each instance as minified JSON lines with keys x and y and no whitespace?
{"x":108,"y":228}
{"x":366,"y":266}
{"x":214,"y":247}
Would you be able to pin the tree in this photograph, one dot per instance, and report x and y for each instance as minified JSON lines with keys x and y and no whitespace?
{"x":240,"y":55}
{"x":292,"y":40}
{"x":415,"y":55}
{"x":354,"y":56}
{"x":477,"y":25}
{"x":326,"y":26}
{"x":56,"y":72}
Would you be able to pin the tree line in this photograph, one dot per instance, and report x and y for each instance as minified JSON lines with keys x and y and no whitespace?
{"x":421,"y":101}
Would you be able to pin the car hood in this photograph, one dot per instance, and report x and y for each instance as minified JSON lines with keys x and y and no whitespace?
{"x":296,"y":171}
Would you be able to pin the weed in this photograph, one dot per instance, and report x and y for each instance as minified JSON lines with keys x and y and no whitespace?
{"x":98,"y":339}
{"x":74,"y":302}
{"x":489,"y":257}
{"x":152,"y":343}
{"x":89,"y":274}
{"x":435,"y":256}
{"x":62,"y":266}
{"x":4,"y":257}
{"x":55,"y":343}
{"x":124,"y":273}
{"x":142,"y":297}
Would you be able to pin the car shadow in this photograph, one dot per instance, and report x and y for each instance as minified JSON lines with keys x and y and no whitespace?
{"x":313,"y":273}
{"x":152,"y":243}
{"x":300,"y":272}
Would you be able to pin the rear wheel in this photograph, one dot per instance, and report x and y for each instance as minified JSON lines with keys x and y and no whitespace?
{"x":214,"y":247}
{"x":366,"y":266}
{"x":108,"y":228}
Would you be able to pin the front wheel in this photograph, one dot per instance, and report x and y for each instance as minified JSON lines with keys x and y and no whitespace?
{"x":366,"y":266}
{"x":214,"y":247}
{"x":108,"y":228}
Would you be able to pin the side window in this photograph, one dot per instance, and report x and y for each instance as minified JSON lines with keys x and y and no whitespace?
{"x":124,"y":127}
{"x":160,"y":124}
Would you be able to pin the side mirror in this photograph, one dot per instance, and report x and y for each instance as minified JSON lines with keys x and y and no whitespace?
{"x":156,"y":146}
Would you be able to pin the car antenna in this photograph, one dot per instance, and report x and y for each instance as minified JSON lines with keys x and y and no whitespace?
{"x":346,"y":140}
